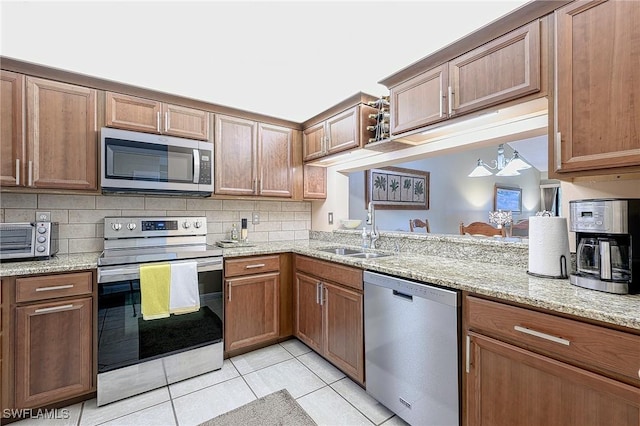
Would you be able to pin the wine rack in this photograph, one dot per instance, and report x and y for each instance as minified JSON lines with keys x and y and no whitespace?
{"x":380,"y":129}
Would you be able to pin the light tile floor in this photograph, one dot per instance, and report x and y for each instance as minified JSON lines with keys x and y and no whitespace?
{"x":323,"y":391}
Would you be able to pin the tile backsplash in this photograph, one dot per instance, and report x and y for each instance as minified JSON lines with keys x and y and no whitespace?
{"x":81,"y":216}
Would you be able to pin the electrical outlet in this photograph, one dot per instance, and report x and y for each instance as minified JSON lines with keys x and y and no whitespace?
{"x":43,"y":216}
{"x":255,"y":218}
{"x":330,"y":218}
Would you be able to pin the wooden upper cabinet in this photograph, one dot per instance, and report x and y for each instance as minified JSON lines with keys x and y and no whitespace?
{"x":12,"y":148}
{"x":252,"y":158}
{"x":597,"y":86}
{"x":503,"y":69}
{"x":419,"y":101}
{"x":62,"y":136}
{"x":343,"y":131}
{"x":146,"y":115}
{"x":315,"y":182}
{"x":313,"y":142}
{"x":274,"y":161}
{"x":234,"y":144}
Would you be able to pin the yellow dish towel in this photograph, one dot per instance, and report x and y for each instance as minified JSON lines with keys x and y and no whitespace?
{"x":155,"y":282}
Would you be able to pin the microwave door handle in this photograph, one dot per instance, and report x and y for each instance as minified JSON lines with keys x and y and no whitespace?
{"x":196,"y":165}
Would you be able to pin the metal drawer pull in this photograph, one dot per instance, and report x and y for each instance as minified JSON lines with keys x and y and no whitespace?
{"x":53,"y":309}
{"x":542,"y":335}
{"x":257,"y":265}
{"x":55,"y":287}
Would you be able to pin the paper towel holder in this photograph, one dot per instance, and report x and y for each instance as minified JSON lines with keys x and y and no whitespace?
{"x":563,"y":270}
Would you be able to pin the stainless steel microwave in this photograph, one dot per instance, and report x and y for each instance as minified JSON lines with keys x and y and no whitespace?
{"x":146,"y":163}
{"x":28,"y":240}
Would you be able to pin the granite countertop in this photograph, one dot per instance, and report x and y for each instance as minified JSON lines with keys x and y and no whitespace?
{"x":508,"y":283}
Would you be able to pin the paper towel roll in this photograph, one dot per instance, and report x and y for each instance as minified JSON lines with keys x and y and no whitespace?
{"x":548,"y":241}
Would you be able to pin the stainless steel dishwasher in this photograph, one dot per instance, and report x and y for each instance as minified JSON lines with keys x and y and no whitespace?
{"x":412,"y":361}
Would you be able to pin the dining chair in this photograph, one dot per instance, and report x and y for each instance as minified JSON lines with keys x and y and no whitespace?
{"x":520,"y":229}
{"x":418,"y":223}
{"x":481,"y":228}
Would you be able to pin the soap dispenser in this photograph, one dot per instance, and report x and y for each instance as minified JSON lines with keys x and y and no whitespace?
{"x":365,"y":238}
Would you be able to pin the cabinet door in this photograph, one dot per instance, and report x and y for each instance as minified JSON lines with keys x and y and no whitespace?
{"x":62,"y":135}
{"x":598,"y":85}
{"x":235,"y":157}
{"x":12,"y":153}
{"x":251,"y":310}
{"x":308,"y":312}
{"x":315,"y":182}
{"x":343,"y":329}
{"x":506,"y":68}
{"x":133,"y":113}
{"x":419,"y":101}
{"x":53,"y":358}
{"x":275,"y":163}
{"x":313,"y":142}
{"x":343,"y":131}
{"x":185,"y":122}
{"x":507,"y":385}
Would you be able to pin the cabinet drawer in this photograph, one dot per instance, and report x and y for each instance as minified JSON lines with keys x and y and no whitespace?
{"x":604,"y":349}
{"x":345,"y":275}
{"x":53,"y":286}
{"x":251,"y":265}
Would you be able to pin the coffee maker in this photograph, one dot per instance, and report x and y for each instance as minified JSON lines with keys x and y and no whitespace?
{"x":607,"y":244}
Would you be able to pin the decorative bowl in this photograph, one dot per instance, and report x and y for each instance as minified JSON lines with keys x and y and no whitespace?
{"x":350,"y":223}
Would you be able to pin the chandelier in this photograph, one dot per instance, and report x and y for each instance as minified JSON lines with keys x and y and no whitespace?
{"x":503,"y":166}
{"x":501,"y":218}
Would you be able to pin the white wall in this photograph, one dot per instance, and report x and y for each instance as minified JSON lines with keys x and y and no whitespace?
{"x":453,"y":197}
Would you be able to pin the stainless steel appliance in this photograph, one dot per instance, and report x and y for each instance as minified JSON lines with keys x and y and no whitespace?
{"x":412,"y":357}
{"x":148,"y":163}
{"x":608,"y":244}
{"x":28,"y":240}
{"x":135,"y":355}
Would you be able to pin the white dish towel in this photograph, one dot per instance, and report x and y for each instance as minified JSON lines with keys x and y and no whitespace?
{"x":184,"y":296}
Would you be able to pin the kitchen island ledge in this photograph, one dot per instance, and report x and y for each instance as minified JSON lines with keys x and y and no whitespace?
{"x":505,"y":282}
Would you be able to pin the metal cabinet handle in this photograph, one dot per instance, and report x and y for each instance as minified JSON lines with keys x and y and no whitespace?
{"x":54,"y":287}
{"x":53,"y":309}
{"x":158,"y":121}
{"x":450,"y":100}
{"x":440,"y":102}
{"x":17,"y":171}
{"x":166,"y":121}
{"x":318,"y":292}
{"x":229,"y":285}
{"x":542,"y":335}
{"x":468,"y":355}
{"x":255,"y":185}
{"x":558,"y":146}
{"x":321,"y":294}
{"x":30,"y":182}
{"x":255,"y":265}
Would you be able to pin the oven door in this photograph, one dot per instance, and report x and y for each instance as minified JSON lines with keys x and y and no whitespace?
{"x":135,"y":355}
{"x":17,"y":240}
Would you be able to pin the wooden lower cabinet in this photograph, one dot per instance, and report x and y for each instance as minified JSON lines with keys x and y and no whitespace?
{"x":329,"y":313}
{"x":252,"y":301}
{"x":525,"y":367}
{"x":508,"y":385}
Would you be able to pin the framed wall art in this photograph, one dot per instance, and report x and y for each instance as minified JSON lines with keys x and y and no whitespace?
{"x":397,"y":188}
{"x":507,"y":198}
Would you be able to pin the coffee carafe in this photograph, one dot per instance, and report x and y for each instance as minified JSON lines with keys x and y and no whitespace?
{"x":607,"y":238}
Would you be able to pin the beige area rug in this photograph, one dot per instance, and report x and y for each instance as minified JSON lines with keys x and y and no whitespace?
{"x":278,"y":408}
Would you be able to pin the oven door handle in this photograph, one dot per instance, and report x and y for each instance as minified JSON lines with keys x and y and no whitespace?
{"x":132,"y":272}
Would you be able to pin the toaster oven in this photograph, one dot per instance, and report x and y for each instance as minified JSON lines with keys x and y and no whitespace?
{"x":28,"y":240}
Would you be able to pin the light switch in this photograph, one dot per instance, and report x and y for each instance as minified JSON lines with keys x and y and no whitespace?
{"x":255,"y":218}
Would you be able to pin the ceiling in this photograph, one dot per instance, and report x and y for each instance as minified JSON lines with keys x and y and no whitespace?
{"x":290,"y":60}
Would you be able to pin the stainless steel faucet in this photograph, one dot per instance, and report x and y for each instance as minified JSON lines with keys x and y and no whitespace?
{"x":371,"y":220}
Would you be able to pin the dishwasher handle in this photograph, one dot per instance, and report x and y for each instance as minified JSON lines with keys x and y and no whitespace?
{"x":403,"y":295}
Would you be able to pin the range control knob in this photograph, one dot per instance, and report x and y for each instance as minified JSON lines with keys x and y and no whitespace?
{"x":197,"y":224}
{"x":42,"y":230}
{"x":131,"y":226}
{"x":186,"y":225}
{"x":116,"y":226}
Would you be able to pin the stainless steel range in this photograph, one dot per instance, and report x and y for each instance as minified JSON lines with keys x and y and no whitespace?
{"x":136,"y":355}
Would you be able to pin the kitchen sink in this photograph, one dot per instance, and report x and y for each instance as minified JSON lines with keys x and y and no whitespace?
{"x":344,"y":251}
